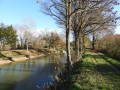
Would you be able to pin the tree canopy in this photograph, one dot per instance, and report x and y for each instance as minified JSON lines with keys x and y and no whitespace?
{"x":8,"y":35}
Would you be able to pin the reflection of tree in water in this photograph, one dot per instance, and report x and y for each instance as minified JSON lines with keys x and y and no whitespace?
{"x":32,"y":74}
{"x":56,"y":71}
{"x":43,"y":76}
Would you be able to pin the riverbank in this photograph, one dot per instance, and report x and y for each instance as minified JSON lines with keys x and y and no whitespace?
{"x":93,"y":73}
{"x":22,"y":55}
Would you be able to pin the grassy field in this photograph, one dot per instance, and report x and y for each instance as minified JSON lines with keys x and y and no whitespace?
{"x":93,"y":73}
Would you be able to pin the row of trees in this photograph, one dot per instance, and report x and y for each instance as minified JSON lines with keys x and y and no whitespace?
{"x":43,"y":40}
{"x":29,"y":38}
{"x":82,"y":17}
{"x":23,"y":37}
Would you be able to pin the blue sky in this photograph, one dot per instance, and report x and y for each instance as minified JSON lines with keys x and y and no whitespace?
{"x":14,"y":11}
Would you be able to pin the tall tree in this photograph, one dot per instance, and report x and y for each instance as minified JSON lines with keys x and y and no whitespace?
{"x":62,"y":12}
{"x":79,"y":16}
{"x":27,"y":26}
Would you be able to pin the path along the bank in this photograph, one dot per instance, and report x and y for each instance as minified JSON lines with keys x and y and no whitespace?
{"x":94,"y":73}
{"x":96,"y":56}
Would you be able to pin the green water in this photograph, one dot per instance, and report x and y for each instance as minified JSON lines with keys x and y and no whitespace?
{"x":33,"y":74}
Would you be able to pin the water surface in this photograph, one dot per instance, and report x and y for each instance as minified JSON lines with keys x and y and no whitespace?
{"x":32,"y":74}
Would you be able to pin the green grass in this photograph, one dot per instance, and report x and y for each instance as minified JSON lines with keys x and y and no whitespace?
{"x":24,"y":53}
{"x":11,"y":54}
{"x":2,"y":57}
{"x":93,"y":73}
{"x":110,"y":60}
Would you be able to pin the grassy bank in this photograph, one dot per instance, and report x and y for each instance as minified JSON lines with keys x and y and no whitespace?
{"x":93,"y":73}
{"x":19,"y":55}
{"x":110,"y":60}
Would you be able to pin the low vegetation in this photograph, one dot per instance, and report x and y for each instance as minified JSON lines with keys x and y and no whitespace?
{"x":5,"y":55}
{"x":109,"y":45}
{"x":93,"y":73}
{"x":85,"y":20}
{"x":111,"y":60}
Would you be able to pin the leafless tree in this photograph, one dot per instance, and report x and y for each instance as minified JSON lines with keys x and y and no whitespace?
{"x":27,"y":31}
{"x":79,"y":16}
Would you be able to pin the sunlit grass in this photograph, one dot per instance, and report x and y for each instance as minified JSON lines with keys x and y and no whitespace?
{"x":93,"y":73}
{"x":110,"y":60}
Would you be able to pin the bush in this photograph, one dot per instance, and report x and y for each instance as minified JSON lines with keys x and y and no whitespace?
{"x":7,"y":47}
{"x":109,"y":45}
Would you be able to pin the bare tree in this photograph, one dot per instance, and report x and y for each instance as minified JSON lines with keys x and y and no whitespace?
{"x":94,"y":14}
{"x":62,"y":12}
{"x":27,"y":28}
{"x":79,"y":16}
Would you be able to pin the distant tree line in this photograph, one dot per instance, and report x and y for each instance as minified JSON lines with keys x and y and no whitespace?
{"x":24,"y":38}
{"x":50,"y":40}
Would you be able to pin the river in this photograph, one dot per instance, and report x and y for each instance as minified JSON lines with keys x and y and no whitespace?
{"x":33,"y":74}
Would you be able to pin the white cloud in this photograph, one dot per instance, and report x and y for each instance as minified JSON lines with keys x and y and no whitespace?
{"x":117,"y":30}
{"x":44,"y":31}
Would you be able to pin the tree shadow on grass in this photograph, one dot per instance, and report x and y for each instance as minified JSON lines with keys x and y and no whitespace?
{"x":18,"y":52}
{"x":7,"y":58}
{"x":27,"y":56}
{"x":79,"y":78}
{"x":107,"y":67}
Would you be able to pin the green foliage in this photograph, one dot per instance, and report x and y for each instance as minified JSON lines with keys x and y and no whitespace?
{"x":110,"y":60}
{"x":56,"y":41}
{"x":93,"y":73}
{"x":53,"y":40}
{"x":8,"y":35}
{"x":2,"y":32}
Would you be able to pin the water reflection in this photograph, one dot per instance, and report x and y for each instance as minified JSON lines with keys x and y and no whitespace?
{"x":31,"y":74}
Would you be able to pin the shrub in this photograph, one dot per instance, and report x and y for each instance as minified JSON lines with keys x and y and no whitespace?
{"x":109,"y":45}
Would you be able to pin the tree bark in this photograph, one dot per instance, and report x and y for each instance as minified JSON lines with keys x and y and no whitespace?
{"x":1,"y":46}
{"x":68,"y":22}
{"x":22,"y":46}
{"x":81,"y":44}
{"x":77,"y":46}
{"x":27,"y":44}
{"x":93,"y":41}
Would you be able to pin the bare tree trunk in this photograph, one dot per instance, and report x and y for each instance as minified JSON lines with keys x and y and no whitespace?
{"x":68,"y":48}
{"x":68,"y":21}
{"x":21,"y":43}
{"x":1,"y":47}
{"x":77,"y":47}
{"x":16,"y":45}
{"x":27,"y":44}
{"x":81,"y":43}
{"x":54,"y":47}
{"x":93,"y":41}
